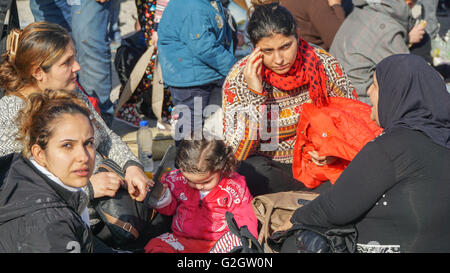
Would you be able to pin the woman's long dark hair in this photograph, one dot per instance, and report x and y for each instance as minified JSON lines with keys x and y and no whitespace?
{"x":270,"y":19}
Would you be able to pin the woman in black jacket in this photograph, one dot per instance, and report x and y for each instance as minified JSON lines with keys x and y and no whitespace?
{"x":396,"y":190}
{"x":42,"y":205}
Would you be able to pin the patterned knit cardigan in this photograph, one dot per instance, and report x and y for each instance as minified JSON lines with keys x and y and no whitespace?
{"x":251,"y":120}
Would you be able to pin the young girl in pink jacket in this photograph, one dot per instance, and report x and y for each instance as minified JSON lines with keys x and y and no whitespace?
{"x":198,"y":194}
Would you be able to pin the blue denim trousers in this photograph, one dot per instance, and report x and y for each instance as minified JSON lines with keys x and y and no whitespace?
{"x":55,"y":11}
{"x":89,"y":21}
{"x":90,"y":33}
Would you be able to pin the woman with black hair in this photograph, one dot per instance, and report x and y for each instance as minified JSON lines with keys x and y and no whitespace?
{"x":266,"y":88}
{"x":396,"y":190}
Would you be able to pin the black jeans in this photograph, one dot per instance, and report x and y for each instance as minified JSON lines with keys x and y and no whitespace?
{"x":264,"y":175}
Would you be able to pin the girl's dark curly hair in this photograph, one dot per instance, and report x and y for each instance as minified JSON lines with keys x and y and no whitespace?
{"x":202,"y":156}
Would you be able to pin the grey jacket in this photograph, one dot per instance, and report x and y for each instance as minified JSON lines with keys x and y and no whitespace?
{"x":374,"y":30}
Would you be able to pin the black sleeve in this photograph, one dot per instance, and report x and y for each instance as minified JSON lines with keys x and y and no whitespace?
{"x":51,"y":230}
{"x":360,"y":186}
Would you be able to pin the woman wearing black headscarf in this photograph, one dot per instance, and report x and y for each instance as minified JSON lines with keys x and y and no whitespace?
{"x":396,"y":191}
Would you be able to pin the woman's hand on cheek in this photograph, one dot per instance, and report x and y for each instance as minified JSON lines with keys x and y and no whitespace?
{"x":252,"y":71}
{"x":105,"y":184}
{"x":137,"y":182}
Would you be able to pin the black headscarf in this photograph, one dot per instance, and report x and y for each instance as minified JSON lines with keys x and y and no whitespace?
{"x":413,"y":95}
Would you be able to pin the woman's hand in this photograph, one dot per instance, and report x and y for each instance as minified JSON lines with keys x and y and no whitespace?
{"x":252,"y":70}
{"x":322,"y":160}
{"x":416,"y":34}
{"x":105,"y":184}
{"x":138,"y":183}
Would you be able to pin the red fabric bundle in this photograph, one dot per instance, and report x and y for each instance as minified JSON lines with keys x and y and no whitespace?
{"x":340,"y":129}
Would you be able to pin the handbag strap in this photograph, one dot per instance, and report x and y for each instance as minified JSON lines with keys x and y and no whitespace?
{"x":157,"y":90}
{"x":269,"y":206}
{"x":124,"y":225}
{"x":135,"y":77}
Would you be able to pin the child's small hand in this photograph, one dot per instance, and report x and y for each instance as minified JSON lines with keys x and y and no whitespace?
{"x":165,"y":192}
{"x":150,"y":184}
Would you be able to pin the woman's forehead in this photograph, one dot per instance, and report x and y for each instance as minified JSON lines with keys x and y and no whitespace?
{"x":71,"y":124}
{"x":274,"y":41}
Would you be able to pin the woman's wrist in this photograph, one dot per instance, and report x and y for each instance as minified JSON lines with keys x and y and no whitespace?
{"x":260,"y":93}
{"x":130,"y":163}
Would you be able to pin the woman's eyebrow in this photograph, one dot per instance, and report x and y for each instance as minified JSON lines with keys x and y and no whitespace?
{"x":65,"y":59}
{"x":270,"y":48}
{"x":266,"y":49}
{"x":67,"y":140}
{"x":75,"y":140}
{"x":286,"y":44}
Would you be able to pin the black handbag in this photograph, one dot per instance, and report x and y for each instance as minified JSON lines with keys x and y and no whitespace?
{"x":126,"y":223}
{"x":124,"y":218}
{"x":311,"y":239}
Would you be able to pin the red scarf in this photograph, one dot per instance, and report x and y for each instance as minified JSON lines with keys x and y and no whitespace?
{"x":307,"y":69}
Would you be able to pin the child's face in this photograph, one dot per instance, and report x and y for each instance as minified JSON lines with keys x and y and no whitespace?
{"x":202,"y":181}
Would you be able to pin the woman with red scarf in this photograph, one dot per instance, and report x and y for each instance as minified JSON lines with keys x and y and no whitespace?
{"x":263,"y":93}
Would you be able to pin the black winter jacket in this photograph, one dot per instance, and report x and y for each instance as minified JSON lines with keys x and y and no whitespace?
{"x":38,"y":215}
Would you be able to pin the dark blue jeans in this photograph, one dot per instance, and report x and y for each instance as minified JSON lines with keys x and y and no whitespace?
{"x":189,"y":103}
